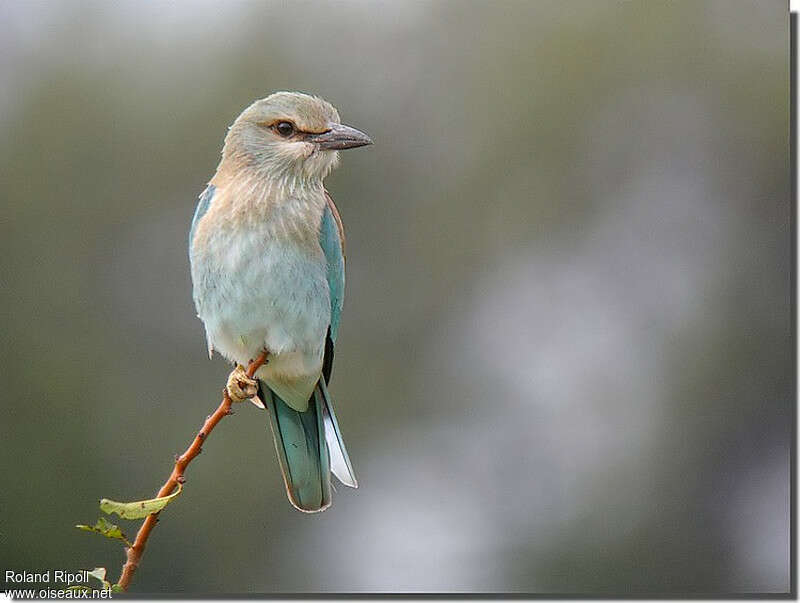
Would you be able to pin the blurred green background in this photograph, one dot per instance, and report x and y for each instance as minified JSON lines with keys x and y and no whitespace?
{"x":565,"y":362}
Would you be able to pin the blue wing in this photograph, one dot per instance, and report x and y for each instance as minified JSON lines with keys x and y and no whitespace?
{"x":202,"y":207}
{"x":331,"y":239}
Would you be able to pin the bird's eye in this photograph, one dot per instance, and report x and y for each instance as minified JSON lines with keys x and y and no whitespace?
{"x":284,"y":128}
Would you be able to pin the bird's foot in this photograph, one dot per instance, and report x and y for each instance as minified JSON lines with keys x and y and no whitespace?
{"x":240,"y":386}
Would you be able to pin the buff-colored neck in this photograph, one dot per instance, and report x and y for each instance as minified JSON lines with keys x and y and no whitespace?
{"x":244,"y":182}
{"x":284,"y":202}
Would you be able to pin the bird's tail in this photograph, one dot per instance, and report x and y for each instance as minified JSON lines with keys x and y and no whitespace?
{"x":309,"y":446}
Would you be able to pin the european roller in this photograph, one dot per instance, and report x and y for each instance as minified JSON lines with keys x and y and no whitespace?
{"x":266,"y":248}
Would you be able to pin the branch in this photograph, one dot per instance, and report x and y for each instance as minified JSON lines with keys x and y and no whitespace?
{"x":135,"y":552}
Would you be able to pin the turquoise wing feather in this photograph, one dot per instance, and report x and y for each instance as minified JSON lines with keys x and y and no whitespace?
{"x":332,"y":241}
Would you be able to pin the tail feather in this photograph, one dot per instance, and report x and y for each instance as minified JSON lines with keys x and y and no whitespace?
{"x":340,"y":461}
{"x":302,"y":451}
{"x":309,"y":446}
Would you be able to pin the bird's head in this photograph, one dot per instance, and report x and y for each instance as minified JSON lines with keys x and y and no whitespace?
{"x":291,"y":135}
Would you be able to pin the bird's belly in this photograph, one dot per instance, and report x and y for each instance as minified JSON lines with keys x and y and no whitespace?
{"x":253,"y":293}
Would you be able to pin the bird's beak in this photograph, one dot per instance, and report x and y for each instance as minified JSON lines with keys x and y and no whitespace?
{"x":340,"y":137}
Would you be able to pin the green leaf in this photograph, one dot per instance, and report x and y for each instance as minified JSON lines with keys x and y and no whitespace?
{"x":106,"y":528}
{"x":138,"y":509}
{"x":100,"y":574}
{"x":116,"y":588}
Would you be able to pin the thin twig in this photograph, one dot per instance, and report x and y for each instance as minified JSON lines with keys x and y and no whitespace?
{"x":135,"y":552}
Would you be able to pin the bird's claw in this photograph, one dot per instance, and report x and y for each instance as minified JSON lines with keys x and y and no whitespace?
{"x":241,"y":387}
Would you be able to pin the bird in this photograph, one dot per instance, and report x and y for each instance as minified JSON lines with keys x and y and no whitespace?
{"x":267,"y":258}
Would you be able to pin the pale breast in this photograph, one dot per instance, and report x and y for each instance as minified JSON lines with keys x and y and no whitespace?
{"x":260,"y":281}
